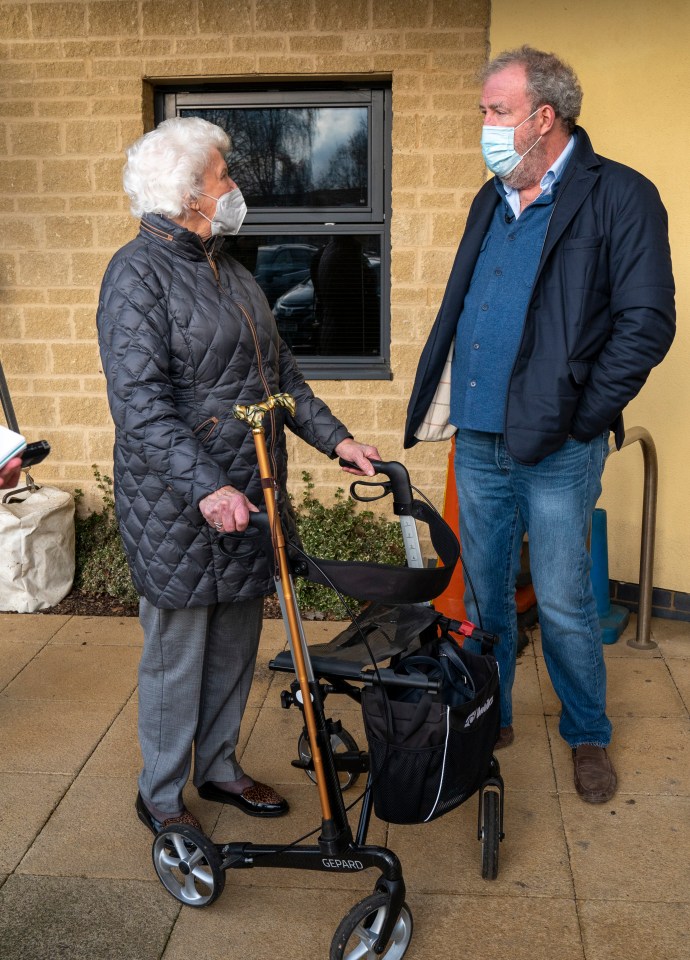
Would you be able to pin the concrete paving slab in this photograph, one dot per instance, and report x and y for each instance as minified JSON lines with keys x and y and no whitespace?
{"x":14,"y":656}
{"x":526,"y":764}
{"x":103,"y":631}
{"x":446,"y":855}
{"x":44,"y":736}
{"x":95,"y":832}
{"x":626,"y":861}
{"x":258,"y":923}
{"x":526,"y":691}
{"x":615,"y":930}
{"x":629,"y":848}
{"x":673,"y":637}
{"x":30,"y":627}
{"x":450,"y":927}
{"x":680,"y":674}
{"x":651,"y":756}
{"x":85,"y":673}
{"x":43,"y":918}
{"x":118,"y":754}
{"x":634,"y":688}
{"x":250,"y":923}
{"x":26,"y":802}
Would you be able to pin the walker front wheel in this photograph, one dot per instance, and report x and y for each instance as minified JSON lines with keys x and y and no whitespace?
{"x":359,"y":930}
{"x":188,"y":865}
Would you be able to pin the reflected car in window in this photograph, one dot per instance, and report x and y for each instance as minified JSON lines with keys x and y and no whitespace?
{"x":295,"y":313}
{"x":282,"y":266}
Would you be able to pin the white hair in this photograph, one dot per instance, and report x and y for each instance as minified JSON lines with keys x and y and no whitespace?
{"x":165,"y":167}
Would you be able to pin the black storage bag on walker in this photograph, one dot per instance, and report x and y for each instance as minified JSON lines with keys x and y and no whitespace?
{"x":428,"y":754}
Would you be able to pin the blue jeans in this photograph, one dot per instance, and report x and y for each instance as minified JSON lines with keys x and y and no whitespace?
{"x":553,"y":501}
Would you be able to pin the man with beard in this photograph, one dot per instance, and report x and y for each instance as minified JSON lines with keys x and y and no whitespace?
{"x":560,"y":302}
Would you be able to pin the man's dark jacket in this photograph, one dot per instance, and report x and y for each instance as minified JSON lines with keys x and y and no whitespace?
{"x":600,"y":316}
{"x":185,"y":332}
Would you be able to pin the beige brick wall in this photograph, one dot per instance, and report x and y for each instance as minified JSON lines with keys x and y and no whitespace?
{"x":74,"y":92}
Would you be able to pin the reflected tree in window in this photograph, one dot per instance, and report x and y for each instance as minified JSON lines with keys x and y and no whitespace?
{"x":271,"y":155}
{"x":348,"y":167}
{"x":296,"y":156}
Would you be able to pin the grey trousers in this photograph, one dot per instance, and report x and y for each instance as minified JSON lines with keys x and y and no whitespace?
{"x":195,"y":673}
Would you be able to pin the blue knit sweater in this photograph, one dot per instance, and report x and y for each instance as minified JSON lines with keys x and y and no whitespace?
{"x":490,"y":324}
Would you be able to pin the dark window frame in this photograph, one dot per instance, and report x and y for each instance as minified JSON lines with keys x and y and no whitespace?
{"x":374,"y":219}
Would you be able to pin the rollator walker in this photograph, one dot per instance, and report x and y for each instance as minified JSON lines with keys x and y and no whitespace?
{"x":396,"y":623}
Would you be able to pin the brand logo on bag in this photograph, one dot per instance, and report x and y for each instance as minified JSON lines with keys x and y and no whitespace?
{"x":479,"y":711}
{"x":343,"y":864}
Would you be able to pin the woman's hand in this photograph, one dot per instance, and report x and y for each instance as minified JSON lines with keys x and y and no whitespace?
{"x":360,"y":454}
{"x":227,"y":510}
{"x":10,"y":473}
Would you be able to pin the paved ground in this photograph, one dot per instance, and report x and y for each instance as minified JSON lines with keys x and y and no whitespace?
{"x":575,"y":881}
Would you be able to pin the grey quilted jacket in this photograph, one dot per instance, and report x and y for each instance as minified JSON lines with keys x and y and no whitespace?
{"x":184,"y":333}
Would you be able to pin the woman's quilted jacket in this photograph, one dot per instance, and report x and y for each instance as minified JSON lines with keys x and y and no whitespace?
{"x":185,"y":332}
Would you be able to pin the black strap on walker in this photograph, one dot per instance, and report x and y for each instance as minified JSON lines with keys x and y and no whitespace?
{"x":385,"y":583}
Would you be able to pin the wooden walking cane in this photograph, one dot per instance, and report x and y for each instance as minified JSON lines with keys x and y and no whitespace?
{"x":253,"y":415}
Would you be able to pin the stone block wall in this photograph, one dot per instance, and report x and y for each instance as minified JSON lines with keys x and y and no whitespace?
{"x":75,"y":90}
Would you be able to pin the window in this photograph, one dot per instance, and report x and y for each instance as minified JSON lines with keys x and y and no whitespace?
{"x":314,"y":167}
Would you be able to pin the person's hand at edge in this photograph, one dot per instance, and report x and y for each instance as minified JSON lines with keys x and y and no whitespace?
{"x":10,"y":473}
{"x":358,"y":453}
{"x":227,"y":510}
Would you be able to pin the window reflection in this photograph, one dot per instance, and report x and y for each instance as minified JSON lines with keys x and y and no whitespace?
{"x":297,"y":156}
{"x":325,"y":291}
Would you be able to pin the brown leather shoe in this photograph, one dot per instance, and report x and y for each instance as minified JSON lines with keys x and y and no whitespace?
{"x":595,"y":778}
{"x":505,"y":738}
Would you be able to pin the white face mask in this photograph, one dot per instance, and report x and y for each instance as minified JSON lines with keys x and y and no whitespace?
{"x":498,"y":148}
{"x":230,"y":213}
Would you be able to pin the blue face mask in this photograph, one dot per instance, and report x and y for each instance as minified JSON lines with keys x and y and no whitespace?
{"x":498,"y":148}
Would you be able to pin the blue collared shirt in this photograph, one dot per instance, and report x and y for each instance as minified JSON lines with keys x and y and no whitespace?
{"x":552,"y":176}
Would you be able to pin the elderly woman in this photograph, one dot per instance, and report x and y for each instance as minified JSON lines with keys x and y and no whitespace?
{"x":184,"y":333}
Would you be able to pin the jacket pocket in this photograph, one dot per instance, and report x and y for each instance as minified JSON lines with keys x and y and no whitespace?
{"x":582,"y":243}
{"x":205,"y":429}
{"x":580,"y":369}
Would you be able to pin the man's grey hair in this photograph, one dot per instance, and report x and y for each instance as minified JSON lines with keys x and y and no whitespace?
{"x":165,"y":167}
{"x":549,"y":81}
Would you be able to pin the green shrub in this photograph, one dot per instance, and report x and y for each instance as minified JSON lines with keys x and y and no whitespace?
{"x":101,"y":566}
{"x":341,"y":532}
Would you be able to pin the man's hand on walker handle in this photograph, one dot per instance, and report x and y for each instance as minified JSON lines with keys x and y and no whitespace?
{"x":227,"y":510}
{"x":359,"y":454}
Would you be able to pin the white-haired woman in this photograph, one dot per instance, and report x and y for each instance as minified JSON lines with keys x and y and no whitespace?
{"x":184,"y":333}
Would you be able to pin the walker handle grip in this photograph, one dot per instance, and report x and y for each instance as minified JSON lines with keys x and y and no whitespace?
{"x":396,"y":473}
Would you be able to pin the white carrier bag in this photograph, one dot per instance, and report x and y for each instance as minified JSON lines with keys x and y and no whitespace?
{"x":36,"y":548}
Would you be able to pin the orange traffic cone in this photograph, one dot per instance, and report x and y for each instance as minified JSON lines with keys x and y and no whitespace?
{"x":450,"y":602}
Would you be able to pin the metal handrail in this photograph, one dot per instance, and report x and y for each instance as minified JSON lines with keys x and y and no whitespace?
{"x":643,"y":638}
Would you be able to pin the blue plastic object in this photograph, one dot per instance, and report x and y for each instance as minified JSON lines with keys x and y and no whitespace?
{"x":613,"y":619}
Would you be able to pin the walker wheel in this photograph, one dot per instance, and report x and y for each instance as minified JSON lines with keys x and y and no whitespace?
{"x":342,"y":742}
{"x":359,"y":929}
{"x":490,"y":833}
{"x":188,"y":865}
